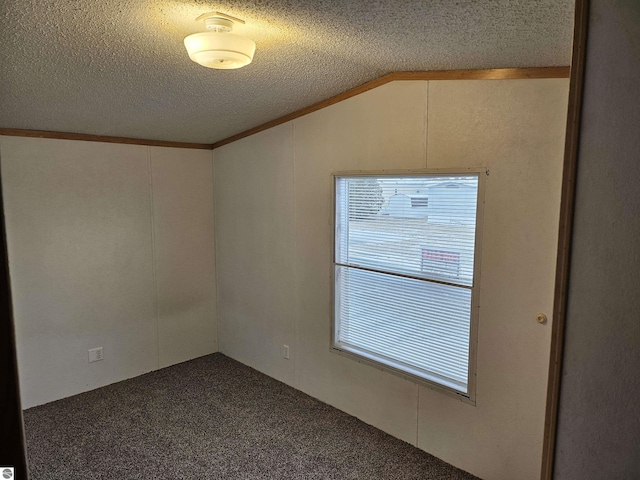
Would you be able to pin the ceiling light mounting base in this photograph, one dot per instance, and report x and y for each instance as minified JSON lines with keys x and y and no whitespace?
{"x":219,"y":16}
{"x":218,"y":24}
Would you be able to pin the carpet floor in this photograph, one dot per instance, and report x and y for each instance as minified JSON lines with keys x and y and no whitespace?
{"x":213,"y":418}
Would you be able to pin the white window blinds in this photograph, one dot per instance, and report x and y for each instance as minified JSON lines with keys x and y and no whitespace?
{"x":404,"y":272}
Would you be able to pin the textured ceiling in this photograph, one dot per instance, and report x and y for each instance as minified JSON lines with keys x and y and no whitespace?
{"x":119,"y":67}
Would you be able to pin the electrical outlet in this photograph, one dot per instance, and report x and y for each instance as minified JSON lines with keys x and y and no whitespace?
{"x":285,"y":351}
{"x":95,"y":355}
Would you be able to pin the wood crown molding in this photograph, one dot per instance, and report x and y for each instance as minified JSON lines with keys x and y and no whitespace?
{"x":491,"y":74}
{"x":15,"y":132}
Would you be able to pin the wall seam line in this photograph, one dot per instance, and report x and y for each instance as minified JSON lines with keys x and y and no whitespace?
{"x":154,"y":258}
{"x":426,"y":125}
{"x":417,"y":415}
{"x":296,"y":335}
{"x":215,"y":254}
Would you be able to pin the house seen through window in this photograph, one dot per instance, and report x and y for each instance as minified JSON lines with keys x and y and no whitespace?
{"x":404,"y":271}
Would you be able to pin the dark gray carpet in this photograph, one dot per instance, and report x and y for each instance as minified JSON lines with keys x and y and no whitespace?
{"x":213,"y":418}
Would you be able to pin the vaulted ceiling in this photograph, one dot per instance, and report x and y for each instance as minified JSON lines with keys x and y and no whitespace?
{"x":119,"y":67}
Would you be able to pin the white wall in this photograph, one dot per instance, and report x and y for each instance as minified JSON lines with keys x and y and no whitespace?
{"x":98,"y":256}
{"x":254,"y":202}
{"x":515,"y":129}
{"x":273,"y":246}
{"x":182,"y":190}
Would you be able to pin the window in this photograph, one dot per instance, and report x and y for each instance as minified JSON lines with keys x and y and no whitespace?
{"x":405,"y":294}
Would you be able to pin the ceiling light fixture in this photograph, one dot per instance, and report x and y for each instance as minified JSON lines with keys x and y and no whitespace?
{"x":218,"y":48}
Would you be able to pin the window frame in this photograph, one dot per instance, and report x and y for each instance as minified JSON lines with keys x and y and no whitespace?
{"x":470,"y":396}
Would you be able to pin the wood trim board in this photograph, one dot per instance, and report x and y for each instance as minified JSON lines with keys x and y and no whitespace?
{"x":565,"y":231}
{"x":492,"y":74}
{"x":15,"y":132}
{"x":488,"y":74}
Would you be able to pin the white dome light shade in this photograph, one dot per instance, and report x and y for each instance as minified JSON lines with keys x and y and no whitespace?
{"x":220,"y":50}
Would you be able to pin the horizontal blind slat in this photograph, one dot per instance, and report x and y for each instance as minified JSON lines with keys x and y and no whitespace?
{"x":391,"y":315}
